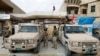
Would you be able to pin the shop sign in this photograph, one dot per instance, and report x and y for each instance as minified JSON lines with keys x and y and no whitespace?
{"x":96,"y":25}
{"x":4,"y":16}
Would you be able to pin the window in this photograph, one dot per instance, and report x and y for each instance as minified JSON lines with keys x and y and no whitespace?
{"x":29,"y":29}
{"x":72,"y":10}
{"x":76,"y":11}
{"x":93,"y":8}
{"x":69,"y":11}
{"x":74,"y":29}
{"x":84,"y":11}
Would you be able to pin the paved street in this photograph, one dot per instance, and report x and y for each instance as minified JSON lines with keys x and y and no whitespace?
{"x":43,"y":51}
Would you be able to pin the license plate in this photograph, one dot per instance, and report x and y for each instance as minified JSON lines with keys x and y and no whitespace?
{"x":18,"y":49}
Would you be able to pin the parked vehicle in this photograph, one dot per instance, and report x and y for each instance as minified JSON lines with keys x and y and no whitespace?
{"x":77,"y":40}
{"x":28,"y":37}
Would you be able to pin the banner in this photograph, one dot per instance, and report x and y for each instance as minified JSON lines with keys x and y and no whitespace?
{"x":4,"y":16}
{"x":85,"y":20}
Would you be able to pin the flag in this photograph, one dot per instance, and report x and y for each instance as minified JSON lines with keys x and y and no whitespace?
{"x":73,"y":18}
{"x":53,"y":8}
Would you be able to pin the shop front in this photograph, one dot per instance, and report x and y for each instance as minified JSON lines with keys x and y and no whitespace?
{"x":87,"y":23}
{"x":4,"y":18}
{"x":96,"y":30}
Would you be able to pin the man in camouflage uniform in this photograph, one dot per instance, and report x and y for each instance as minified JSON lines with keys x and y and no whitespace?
{"x":6,"y":33}
{"x":55,"y":35}
{"x":45,"y":38}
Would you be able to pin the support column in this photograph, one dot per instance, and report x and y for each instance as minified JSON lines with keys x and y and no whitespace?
{"x":75,"y":1}
{"x":69,"y":1}
{"x":79,"y":11}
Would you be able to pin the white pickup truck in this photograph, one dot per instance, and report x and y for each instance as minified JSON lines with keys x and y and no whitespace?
{"x":77,"y":40}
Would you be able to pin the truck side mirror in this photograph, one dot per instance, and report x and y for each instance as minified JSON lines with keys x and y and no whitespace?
{"x":63,"y":28}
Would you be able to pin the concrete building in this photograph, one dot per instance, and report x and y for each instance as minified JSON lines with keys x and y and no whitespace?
{"x":68,"y":8}
{"x":4,"y":14}
{"x":7,"y":8}
{"x":91,"y":9}
{"x":16,"y":9}
{"x":82,"y":8}
{"x":71,"y":7}
{"x":76,"y":7}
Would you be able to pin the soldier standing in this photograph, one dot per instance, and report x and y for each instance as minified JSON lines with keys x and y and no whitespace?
{"x":55,"y":34}
{"x":6,"y":33}
{"x":45,"y":38}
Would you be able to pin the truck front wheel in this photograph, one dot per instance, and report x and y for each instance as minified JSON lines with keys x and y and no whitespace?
{"x":68,"y":52}
{"x":37,"y":49}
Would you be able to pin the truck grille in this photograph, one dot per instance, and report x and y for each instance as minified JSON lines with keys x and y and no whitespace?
{"x":89,"y":44}
{"x":18,"y":42}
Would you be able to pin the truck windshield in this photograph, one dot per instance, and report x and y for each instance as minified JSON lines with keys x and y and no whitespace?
{"x":28,"y":29}
{"x":74,"y":29}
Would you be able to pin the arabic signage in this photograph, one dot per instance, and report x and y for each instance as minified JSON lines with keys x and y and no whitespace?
{"x":4,"y":16}
{"x":96,"y":25}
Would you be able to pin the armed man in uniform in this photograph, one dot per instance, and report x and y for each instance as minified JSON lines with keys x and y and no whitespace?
{"x":55,"y":35}
{"x":45,"y":38}
{"x":6,"y":33}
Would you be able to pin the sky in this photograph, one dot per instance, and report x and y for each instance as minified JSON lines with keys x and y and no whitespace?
{"x":29,"y":6}
{"x":38,"y":5}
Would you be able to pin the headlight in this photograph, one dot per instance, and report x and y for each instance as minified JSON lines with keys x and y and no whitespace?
{"x":9,"y":41}
{"x":22,"y":43}
{"x":94,"y":46}
{"x":75,"y":44}
{"x":13,"y":43}
{"x":30,"y":41}
{"x":84,"y":46}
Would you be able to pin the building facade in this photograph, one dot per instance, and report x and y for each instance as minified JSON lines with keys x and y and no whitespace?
{"x":5,"y":10}
{"x":91,"y":9}
{"x":82,"y":8}
{"x":71,"y":7}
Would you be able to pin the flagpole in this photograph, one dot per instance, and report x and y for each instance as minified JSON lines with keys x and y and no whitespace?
{"x":53,"y":9}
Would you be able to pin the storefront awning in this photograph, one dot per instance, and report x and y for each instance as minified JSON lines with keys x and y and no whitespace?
{"x":85,"y":20}
{"x":40,"y":15}
{"x":4,"y":16}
